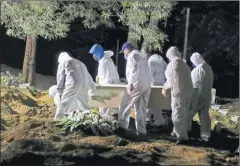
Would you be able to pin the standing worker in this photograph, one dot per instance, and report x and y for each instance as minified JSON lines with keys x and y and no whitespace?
{"x":107,"y":72}
{"x":178,"y":77}
{"x":73,"y":84}
{"x":202,"y":78}
{"x":138,"y":89}
{"x":157,"y":67}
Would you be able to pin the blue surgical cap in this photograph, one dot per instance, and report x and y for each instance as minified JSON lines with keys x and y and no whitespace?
{"x":97,"y":50}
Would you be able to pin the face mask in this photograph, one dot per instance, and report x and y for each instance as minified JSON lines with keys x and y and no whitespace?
{"x":125,"y":57}
{"x":95,"y":58}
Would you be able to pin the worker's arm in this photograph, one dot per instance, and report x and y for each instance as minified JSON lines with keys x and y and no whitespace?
{"x":92,"y":88}
{"x":89,"y":81}
{"x":133,"y":69}
{"x":196,"y":76}
{"x":151,"y":65}
{"x":61,"y":78}
{"x":103,"y":72}
{"x":169,"y":77}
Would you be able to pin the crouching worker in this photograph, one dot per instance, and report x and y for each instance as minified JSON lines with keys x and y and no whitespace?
{"x":73,"y":85}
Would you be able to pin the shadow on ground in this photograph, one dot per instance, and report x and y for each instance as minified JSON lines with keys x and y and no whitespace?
{"x":40,"y":152}
{"x":227,"y":140}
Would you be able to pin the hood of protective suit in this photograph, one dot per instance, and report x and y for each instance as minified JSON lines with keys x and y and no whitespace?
{"x":97,"y":51}
{"x":64,"y":56}
{"x":108,"y":53}
{"x":52,"y":91}
{"x":157,"y":56}
{"x":173,"y":53}
{"x":197,"y":59}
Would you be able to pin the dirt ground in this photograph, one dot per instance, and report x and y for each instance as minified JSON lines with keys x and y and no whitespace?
{"x":25,"y":116}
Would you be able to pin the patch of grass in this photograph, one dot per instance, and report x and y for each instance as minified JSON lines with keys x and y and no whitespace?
{"x":217,"y":116}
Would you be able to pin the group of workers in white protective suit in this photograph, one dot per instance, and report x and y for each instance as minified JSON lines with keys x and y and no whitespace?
{"x":190,"y":91}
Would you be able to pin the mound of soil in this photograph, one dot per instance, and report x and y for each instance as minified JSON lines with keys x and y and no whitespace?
{"x":40,"y":152}
{"x":20,"y":101}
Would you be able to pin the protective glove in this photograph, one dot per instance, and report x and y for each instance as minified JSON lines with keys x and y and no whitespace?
{"x":97,"y":79}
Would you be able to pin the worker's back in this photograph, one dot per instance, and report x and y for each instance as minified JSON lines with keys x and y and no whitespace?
{"x":107,"y":71}
{"x":182,"y":84}
{"x":157,"y":67}
{"x":206,"y":81}
{"x":76,"y":73}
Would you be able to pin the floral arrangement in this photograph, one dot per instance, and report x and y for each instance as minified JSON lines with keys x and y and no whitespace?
{"x":89,"y":120}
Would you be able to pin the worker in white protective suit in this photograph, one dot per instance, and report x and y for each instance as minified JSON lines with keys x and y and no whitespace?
{"x":138,"y":89}
{"x":73,"y":85}
{"x":107,"y":72}
{"x":157,"y":67}
{"x":202,"y":78}
{"x":178,"y":77}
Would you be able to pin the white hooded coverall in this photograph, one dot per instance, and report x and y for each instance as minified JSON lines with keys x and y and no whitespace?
{"x":178,"y":77}
{"x":157,"y":67}
{"x":73,"y":84}
{"x":107,"y":74}
{"x":202,"y":78}
{"x":138,"y":74}
{"x":53,"y":93}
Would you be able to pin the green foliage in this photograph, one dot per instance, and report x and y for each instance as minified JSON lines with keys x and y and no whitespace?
{"x":142,"y":18}
{"x":49,"y":19}
{"x":92,"y":14}
{"x":9,"y":79}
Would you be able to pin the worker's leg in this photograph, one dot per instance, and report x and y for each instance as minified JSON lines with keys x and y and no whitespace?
{"x":158,"y":117}
{"x":205,"y":120}
{"x":179,"y":118}
{"x":193,"y":108}
{"x":128,"y":100}
{"x":140,"y":107}
{"x":149,"y":114}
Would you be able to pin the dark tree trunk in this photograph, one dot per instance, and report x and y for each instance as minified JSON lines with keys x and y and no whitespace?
{"x":31,"y":73}
{"x":26,"y":58}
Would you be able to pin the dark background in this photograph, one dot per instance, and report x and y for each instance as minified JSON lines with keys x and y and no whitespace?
{"x":213,"y":32}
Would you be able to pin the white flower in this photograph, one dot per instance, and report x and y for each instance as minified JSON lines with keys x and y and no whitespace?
{"x":78,"y":118}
